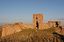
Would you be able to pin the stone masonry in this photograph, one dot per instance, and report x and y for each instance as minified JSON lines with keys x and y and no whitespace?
{"x":38,"y":18}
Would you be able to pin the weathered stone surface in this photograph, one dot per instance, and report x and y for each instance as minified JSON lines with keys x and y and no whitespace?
{"x":39,"y":18}
{"x":8,"y":29}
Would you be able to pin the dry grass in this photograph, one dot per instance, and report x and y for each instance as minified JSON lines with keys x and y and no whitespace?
{"x":31,"y":35}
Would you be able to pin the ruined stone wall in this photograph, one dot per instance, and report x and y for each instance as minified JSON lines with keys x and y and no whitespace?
{"x":53,"y":23}
{"x":8,"y":29}
{"x":50,"y":24}
{"x":40,"y":20}
{"x":27,"y":26}
{"x":17,"y":27}
{"x":45,"y":26}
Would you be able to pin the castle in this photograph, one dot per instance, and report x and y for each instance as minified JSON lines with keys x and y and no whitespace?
{"x":38,"y":23}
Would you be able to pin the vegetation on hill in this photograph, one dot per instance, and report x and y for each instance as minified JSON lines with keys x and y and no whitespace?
{"x":31,"y":35}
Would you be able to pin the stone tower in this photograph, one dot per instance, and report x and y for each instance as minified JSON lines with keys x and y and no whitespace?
{"x":38,"y":21}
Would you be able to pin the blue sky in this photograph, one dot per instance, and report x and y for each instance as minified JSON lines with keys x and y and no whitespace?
{"x":22,"y":10}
